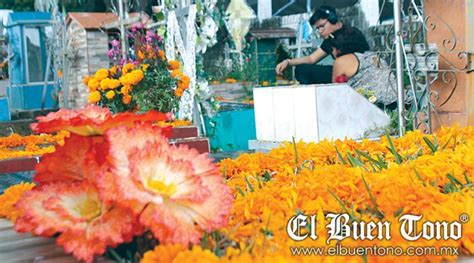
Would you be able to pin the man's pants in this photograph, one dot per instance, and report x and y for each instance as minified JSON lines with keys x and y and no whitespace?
{"x":313,"y":74}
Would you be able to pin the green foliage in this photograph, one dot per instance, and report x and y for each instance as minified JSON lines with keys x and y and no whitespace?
{"x":156,"y":90}
{"x":18,"y":5}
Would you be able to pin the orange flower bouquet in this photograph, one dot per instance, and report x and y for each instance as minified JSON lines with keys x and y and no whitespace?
{"x":101,"y":189}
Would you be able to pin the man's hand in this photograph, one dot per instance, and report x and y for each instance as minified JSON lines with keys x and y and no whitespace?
{"x":282,"y":66}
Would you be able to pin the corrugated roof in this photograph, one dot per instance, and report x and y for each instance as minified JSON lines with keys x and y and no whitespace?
{"x":93,"y":21}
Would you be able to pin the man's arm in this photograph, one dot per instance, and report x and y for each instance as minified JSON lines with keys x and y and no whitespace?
{"x":314,"y":57}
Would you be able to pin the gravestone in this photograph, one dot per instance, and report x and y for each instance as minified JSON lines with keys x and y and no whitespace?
{"x":313,"y":113}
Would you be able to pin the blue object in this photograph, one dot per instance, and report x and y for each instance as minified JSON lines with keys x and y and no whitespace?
{"x":27,"y":49}
{"x":7,"y":180}
{"x":232,"y":127}
{"x":4,"y":109}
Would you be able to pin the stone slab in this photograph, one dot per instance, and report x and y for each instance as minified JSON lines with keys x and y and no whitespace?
{"x":314,"y":112}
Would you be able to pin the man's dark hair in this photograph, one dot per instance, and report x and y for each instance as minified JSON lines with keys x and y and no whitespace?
{"x":324,"y":12}
{"x":349,"y":40}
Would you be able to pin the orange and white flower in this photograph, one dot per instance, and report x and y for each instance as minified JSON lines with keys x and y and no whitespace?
{"x":179,"y":192}
{"x":93,"y":120}
{"x":77,"y":160}
{"x":86,"y":225}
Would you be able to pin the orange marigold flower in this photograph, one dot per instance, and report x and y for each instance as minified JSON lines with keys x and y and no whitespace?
{"x":101,"y":74}
{"x":184,"y":82}
{"x":162,"y":253}
{"x":60,"y":74}
{"x":126,"y":89}
{"x":178,"y":92}
{"x":161,"y":54}
{"x":126,"y":99}
{"x":85,"y":80}
{"x":173,"y":64}
{"x":182,"y":190}
{"x":92,"y":120}
{"x":86,"y":225}
{"x":230,"y":80}
{"x":110,"y":94}
{"x":197,"y":254}
{"x":9,"y":198}
{"x":113,"y":71}
{"x":127,"y":68}
{"x":94,"y":97}
{"x":140,"y":55}
{"x":176,"y":73}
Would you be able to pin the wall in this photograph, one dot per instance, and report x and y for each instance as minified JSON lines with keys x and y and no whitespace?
{"x":452,"y":36}
{"x":90,"y":50}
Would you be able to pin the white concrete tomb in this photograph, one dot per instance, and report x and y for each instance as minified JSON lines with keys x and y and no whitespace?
{"x":313,"y":113}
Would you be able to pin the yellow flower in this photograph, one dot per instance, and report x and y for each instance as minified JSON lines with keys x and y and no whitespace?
{"x":113,"y":83}
{"x":104,"y":84}
{"x":265,"y":83}
{"x":176,"y":73}
{"x":101,"y":74}
{"x":110,"y":94}
{"x":230,"y":80}
{"x":9,"y":198}
{"x":113,"y":70}
{"x":144,"y":67}
{"x":94,"y":97}
{"x":93,"y":84}
{"x":372,"y":99}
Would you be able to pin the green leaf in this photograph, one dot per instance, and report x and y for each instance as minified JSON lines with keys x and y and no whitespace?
{"x":355,"y":162}
{"x":433,"y":147}
{"x":419,"y":176}
{"x":453,"y":180}
{"x":398,"y":212}
{"x":340,"y":157}
{"x":342,"y":204}
{"x":378,"y":164}
{"x":240,"y":191}
{"x":296,"y":151}
{"x":267,"y":176}
{"x":398,"y":157}
{"x":249,"y":184}
{"x":372,"y":198}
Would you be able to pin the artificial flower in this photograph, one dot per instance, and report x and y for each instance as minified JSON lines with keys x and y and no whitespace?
{"x":180,"y":190}
{"x":92,"y":120}
{"x":86,"y":225}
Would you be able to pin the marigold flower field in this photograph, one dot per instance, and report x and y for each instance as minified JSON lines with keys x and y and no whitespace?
{"x":419,"y":174}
